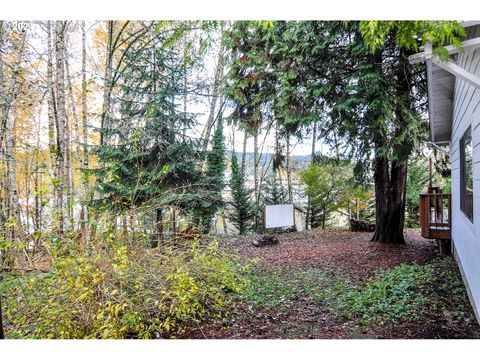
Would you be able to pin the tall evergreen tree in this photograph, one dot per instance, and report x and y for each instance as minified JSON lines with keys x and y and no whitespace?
{"x":214,"y":177}
{"x":360,"y":87}
{"x":242,"y":208}
{"x":148,"y":161}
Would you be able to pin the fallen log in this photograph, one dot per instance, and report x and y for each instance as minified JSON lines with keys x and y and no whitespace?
{"x":361,"y":225}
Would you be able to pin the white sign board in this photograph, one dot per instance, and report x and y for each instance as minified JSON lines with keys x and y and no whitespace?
{"x":279,"y":216}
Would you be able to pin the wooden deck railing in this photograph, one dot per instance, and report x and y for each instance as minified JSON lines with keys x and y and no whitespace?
{"x":435,"y":215}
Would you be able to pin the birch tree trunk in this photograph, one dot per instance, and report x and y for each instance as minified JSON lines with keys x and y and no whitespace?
{"x":68,"y":144}
{"x":215,"y":92}
{"x":9,"y":95}
{"x":52,"y":113}
{"x":2,"y":130}
{"x":107,"y":91}
{"x":61,"y":122}
{"x":84,"y":209}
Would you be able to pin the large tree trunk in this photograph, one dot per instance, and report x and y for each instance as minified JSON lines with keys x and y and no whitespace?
{"x":390,"y":192}
{"x":390,"y":189}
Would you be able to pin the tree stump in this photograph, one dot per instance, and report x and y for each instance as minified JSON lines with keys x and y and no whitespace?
{"x":266,"y":240}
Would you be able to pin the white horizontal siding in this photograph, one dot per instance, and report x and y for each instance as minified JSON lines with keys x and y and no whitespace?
{"x":466,"y":112}
{"x":466,"y":61}
{"x":467,"y":97}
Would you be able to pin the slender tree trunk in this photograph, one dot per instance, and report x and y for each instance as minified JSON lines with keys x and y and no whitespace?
{"x":52,"y":115}
{"x":224,"y":220}
{"x":255,"y":175}
{"x":2,"y":335}
{"x":357,"y":210}
{"x":244,"y":151}
{"x":2,"y":156}
{"x":84,"y":210}
{"x":68,"y":141}
{"x":159,"y":227}
{"x":61,"y":122}
{"x":9,"y":95}
{"x":185,"y":78}
{"x":289,"y":171}
{"x":107,"y":91}
{"x":2,"y":89}
{"x":215,"y":92}
{"x":37,"y":221}
{"x":312,"y":158}
{"x":27,"y":174}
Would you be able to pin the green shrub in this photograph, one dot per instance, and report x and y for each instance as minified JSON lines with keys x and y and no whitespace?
{"x":397,"y":294}
{"x":121,"y":293}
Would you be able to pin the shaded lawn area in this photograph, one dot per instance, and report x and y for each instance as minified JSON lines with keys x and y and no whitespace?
{"x":337,"y":284}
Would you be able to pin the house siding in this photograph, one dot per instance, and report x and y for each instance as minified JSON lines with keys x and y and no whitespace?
{"x":466,"y":112}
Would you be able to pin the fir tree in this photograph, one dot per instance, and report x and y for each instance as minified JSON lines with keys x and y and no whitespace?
{"x":146,"y":158}
{"x":241,"y":214}
{"x":214,"y":176}
{"x":274,"y":191}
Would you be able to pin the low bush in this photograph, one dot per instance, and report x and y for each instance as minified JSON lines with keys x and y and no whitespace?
{"x":399,"y":294}
{"x":115,"y":292}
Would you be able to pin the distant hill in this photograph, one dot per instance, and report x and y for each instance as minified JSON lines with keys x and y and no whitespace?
{"x":299,"y":162}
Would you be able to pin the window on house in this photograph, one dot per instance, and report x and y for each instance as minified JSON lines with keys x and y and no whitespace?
{"x":466,"y":174}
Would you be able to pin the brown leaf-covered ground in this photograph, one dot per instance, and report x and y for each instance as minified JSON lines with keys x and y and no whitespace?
{"x":291,"y":273}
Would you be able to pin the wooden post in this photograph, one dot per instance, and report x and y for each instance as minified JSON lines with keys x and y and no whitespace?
{"x":430,"y":174}
{"x":2,"y":335}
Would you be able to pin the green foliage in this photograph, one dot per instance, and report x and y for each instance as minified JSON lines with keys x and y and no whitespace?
{"x":331,"y":187}
{"x":392,"y":295}
{"x":241,"y":213}
{"x":119,"y":293}
{"x":417,"y":181}
{"x":214,"y":176}
{"x":273,"y":191}
{"x":145,"y":159}
{"x":266,"y":290}
{"x":271,"y":289}
{"x":410,"y":34}
{"x":404,"y":294}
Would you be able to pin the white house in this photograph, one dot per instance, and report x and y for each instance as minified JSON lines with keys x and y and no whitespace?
{"x":454,"y":111}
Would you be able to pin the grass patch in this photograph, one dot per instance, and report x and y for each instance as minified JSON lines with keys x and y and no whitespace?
{"x":267,"y":288}
{"x":390,"y":295}
{"x":406,"y":294}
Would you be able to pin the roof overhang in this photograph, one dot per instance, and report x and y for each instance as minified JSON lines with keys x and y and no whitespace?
{"x":441,"y":77}
{"x":441,"y":87}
